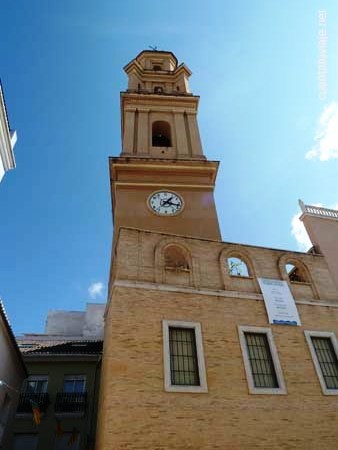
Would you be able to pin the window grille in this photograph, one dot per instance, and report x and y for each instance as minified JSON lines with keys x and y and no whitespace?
{"x":183,"y":357}
{"x":327,"y":360}
{"x":262,"y":367}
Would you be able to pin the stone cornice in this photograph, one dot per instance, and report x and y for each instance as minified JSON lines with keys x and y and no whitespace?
{"x":211,"y":292}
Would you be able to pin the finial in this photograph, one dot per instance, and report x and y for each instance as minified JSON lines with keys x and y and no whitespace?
{"x":302,"y":206}
{"x":153,"y":48}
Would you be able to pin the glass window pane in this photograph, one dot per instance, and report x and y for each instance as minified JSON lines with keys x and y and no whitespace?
{"x":327,"y":359}
{"x":183,"y":357}
{"x":259,"y":354}
{"x":68,"y":386}
{"x":79,"y":386}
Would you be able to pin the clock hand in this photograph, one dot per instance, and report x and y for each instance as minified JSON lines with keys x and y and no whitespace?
{"x":172,"y":204}
{"x":164,"y":202}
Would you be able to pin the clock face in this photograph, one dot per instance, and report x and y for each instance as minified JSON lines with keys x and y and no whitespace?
{"x":165,"y":203}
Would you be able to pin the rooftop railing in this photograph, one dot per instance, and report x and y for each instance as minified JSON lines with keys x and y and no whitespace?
{"x":318,"y":211}
{"x":70,"y":402}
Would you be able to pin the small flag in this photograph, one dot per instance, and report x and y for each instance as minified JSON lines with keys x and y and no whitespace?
{"x":59,"y":430}
{"x":73,"y":437}
{"x":36,"y":412}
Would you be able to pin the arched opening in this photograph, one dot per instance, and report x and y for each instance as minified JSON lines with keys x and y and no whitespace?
{"x":296,"y":273}
{"x":237,"y":267}
{"x":161,"y":136}
{"x":158,"y":90}
{"x":175,"y":258}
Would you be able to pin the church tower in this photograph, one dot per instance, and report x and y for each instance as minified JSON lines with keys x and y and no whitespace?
{"x":191,"y":359}
{"x":162,"y":181}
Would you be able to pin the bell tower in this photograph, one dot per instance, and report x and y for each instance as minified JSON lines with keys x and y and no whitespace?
{"x":162,"y":181}
{"x":159,"y":114}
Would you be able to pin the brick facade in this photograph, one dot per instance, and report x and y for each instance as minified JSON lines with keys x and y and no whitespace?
{"x":174,"y":267}
{"x":136,"y":412}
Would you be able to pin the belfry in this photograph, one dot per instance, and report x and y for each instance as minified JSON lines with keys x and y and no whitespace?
{"x":208,"y":344}
{"x":162,"y":153}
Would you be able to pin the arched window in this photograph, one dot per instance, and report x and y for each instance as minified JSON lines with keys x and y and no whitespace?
{"x":237,"y":267}
{"x":296,"y":272}
{"x":158,"y":90}
{"x":161,"y":136}
{"x":175,"y":258}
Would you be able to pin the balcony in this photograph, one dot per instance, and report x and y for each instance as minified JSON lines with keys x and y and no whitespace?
{"x":25,"y":405}
{"x":70,"y":403}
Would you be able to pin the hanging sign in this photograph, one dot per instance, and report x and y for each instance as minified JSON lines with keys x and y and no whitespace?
{"x":279,"y":303}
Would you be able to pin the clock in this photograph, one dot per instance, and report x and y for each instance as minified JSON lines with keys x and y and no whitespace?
{"x":165,"y":203}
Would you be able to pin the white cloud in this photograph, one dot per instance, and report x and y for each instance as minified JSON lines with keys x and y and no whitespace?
{"x":95,"y":290}
{"x":326,"y":138}
{"x":299,"y":233}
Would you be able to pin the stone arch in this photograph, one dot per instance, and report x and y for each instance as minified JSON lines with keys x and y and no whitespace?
{"x":174,"y":263}
{"x":246,"y":280}
{"x":161,"y":134}
{"x":296,"y":273}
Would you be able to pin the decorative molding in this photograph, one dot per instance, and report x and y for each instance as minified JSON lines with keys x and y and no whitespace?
{"x":190,"y":186}
{"x":214,"y":293}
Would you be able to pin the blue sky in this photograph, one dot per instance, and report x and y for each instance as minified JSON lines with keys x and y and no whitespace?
{"x":255,"y":66}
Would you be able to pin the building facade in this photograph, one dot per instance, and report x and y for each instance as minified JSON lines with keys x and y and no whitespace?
{"x":7,"y":139}
{"x":63,"y":365}
{"x":193,"y":357}
{"x":321,"y":225}
{"x":12,"y":374}
{"x":12,"y":370}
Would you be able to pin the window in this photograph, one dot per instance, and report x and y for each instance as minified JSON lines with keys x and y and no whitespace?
{"x":35,"y":384}
{"x":183,"y":357}
{"x":25,"y":442}
{"x":262,"y":368}
{"x":158,"y":90}
{"x":161,"y":135}
{"x":74,"y":383}
{"x":323,"y":349}
{"x":296,"y":273}
{"x":261,"y":361}
{"x":184,"y":367}
{"x":157,"y":67}
{"x":237,"y":267}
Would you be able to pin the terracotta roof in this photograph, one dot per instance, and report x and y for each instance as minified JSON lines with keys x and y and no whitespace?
{"x":69,"y":347}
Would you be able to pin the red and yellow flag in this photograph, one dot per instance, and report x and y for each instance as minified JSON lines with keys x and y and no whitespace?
{"x":58,"y":430}
{"x":36,"y":412}
{"x":73,"y":437}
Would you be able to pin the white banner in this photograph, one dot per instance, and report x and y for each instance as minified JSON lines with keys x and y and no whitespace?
{"x":279,"y":303}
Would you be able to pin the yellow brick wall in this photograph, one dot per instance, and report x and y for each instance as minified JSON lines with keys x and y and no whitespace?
{"x":136,"y":412}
